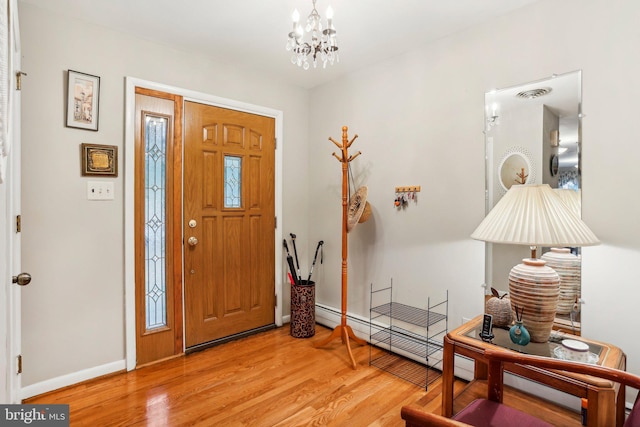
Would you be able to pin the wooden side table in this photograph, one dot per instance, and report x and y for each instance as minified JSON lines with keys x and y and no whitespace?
{"x":606,"y":400}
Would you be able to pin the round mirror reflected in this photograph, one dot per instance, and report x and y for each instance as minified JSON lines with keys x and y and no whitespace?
{"x":514,"y":169}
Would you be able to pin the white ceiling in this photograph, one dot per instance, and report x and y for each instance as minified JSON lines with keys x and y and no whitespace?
{"x":253,"y":33}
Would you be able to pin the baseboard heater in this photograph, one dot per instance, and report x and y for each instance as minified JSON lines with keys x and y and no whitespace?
{"x":329,"y":323}
{"x":330,"y":317}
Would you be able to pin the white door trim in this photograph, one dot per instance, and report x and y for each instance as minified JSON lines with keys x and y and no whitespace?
{"x":6,"y":335}
{"x":10,"y":263}
{"x":129,"y":156}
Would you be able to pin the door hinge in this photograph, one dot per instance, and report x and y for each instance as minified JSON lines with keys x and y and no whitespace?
{"x":275,"y":143}
{"x":19,"y":75}
{"x":275,"y":300}
{"x":275,"y":222}
{"x":19,"y":364}
{"x":18,"y":223}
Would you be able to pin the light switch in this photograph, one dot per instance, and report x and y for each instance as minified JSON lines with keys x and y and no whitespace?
{"x":100,"y":190}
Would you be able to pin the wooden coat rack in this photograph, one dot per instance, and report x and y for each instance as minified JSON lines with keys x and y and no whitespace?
{"x":343,"y":330}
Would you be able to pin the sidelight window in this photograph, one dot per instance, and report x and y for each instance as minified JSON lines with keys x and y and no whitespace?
{"x":155,"y":221}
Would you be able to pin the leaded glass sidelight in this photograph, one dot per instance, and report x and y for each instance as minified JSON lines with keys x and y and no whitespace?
{"x":155,"y":221}
{"x":232,"y":182}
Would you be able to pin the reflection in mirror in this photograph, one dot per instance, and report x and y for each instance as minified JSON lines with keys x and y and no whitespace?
{"x":533,"y":136}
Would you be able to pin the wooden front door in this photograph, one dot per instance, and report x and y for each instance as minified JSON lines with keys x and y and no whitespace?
{"x":229,"y":222}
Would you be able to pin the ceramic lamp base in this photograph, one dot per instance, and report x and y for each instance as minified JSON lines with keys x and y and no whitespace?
{"x":535,"y":287}
{"x":568,"y":267}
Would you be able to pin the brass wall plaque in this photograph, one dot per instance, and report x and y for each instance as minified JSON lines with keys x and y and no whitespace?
{"x":99,"y":160}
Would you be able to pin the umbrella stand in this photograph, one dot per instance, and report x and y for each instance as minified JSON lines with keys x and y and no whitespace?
{"x":343,"y":330}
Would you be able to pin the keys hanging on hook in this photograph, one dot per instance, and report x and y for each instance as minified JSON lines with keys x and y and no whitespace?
{"x":404,"y":195}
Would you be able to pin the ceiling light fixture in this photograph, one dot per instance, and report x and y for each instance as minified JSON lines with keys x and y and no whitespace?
{"x":322,"y":47}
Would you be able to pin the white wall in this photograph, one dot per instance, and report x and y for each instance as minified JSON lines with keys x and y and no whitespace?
{"x":412,"y":131}
{"x":420,"y":121}
{"x":611,"y":205}
{"x":73,"y":312}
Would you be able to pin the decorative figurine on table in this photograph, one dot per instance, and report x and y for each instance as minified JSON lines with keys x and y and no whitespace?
{"x":518,"y":333}
{"x":500,"y":308}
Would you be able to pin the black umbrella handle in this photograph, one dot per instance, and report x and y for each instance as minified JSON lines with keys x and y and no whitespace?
{"x":296,"y":279}
{"x":295,"y":251}
{"x":315,"y":258}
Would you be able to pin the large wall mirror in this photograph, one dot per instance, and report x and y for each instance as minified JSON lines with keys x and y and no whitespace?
{"x":533,"y":136}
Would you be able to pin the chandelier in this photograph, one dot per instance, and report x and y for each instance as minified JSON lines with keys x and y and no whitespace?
{"x":322,"y":47}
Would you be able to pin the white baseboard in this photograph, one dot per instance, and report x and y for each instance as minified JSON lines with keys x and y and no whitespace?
{"x":70,"y":379}
{"x":464,"y":367}
{"x":330,"y":317}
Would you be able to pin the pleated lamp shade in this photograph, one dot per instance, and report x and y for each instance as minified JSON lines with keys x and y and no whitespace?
{"x":534,"y":215}
{"x":571,"y":198}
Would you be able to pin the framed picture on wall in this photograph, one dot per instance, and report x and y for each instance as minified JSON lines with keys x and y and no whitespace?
{"x":99,"y":160}
{"x":83,"y":95}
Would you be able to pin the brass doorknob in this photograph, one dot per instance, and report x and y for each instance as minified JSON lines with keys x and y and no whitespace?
{"x":22,"y":279}
{"x":192,"y":241}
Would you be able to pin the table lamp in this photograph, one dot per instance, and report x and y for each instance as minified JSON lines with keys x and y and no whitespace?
{"x":534,"y":215}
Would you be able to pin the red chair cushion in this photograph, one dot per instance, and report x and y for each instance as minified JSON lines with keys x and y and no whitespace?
{"x":633,"y":420}
{"x":486,"y":413}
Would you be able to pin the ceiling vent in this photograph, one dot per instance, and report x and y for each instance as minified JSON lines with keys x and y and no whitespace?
{"x":533,"y":93}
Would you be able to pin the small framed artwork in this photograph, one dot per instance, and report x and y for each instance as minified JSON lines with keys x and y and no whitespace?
{"x":83,"y":95}
{"x":554,"y":139}
{"x":99,"y":160}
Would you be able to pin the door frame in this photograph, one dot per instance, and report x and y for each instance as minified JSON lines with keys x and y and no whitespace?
{"x":129,"y":156}
{"x":10,"y":265}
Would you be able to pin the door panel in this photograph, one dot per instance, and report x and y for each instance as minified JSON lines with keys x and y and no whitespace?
{"x":229,"y":194}
{"x":158,"y":226}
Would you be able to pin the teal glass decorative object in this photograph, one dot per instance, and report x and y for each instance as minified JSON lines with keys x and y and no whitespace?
{"x":518,"y":333}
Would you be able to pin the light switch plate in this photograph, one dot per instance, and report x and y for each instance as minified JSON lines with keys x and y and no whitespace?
{"x":100,"y":190}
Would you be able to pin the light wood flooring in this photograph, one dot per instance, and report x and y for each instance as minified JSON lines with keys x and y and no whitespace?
{"x":268,"y":379}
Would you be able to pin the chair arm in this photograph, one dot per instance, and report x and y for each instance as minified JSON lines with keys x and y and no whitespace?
{"x":610,"y":374}
{"x":416,"y":417}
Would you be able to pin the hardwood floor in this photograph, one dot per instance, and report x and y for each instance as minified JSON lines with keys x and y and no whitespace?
{"x":269,"y":379}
